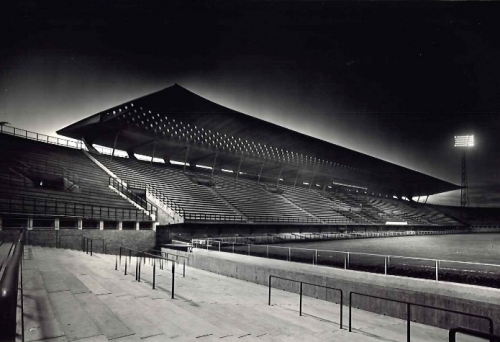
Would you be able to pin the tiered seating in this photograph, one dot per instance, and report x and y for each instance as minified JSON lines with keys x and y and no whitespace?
{"x":198,"y":201}
{"x":90,"y":197}
{"x":413,"y":213}
{"x":313,"y":202}
{"x":396,"y":211}
{"x":258,"y":204}
{"x":432,"y":215}
{"x":357,"y":209}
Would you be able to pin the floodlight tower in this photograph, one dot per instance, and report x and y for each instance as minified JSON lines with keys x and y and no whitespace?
{"x":463,"y":142}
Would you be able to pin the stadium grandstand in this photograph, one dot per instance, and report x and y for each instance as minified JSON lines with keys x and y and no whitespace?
{"x":175,"y":170}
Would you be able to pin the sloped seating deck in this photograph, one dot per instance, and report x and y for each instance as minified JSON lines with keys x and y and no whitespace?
{"x":258,"y":204}
{"x":414,"y":213}
{"x":315,"y":203}
{"x":89,"y":197}
{"x":198,"y":201}
{"x":71,"y":296}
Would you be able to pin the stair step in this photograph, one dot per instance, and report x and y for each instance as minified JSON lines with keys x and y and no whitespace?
{"x":39,"y":318}
{"x":197,"y":325}
{"x":53,"y":281}
{"x":74,"y":321}
{"x":132,"y":314}
{"x":106,"y":321}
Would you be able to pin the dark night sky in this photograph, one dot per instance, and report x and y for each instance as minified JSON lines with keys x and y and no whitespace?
{"x":392,"y":80}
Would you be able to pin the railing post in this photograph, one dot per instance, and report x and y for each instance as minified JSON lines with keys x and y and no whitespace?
{"x":341,"y":307}
{"x":408,"y":317}
{"x":125,"y":266}
{"x":173,"y":279}
{"x":437,"y":270}
{"x":315,"y":256}
{"x":184,"y":269}
{"x":136,"y":266}
{"x":350,"y":311}
{"x":289,"y":254}
{"x":140,"y":266}
{"x":249,"y":249}
{"x":154,"y":273}
{"x":269,"y":300}
{"x":385,"y":265}
{"x":91,"y":249}
{"x":267,"y":252}
{"x":300,"y":303}
{"x":116,"y":263}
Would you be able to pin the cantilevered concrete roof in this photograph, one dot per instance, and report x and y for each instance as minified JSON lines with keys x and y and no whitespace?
{"x":176,"y":124}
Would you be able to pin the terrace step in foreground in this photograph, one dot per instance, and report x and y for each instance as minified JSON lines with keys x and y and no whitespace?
{"x":71,"y":296}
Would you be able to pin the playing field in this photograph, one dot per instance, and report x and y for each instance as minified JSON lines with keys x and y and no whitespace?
{"x":483,"y":248}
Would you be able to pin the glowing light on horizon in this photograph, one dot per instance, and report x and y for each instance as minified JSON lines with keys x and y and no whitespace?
{"x":204,"y":167}
{"x":464,"y":140}
{"x":175,"y":162}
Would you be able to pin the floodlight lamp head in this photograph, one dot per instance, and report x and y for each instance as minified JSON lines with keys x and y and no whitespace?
{"x":464,"y":140}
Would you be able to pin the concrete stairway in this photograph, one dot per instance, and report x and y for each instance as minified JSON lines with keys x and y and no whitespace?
{"x":70,"y":296}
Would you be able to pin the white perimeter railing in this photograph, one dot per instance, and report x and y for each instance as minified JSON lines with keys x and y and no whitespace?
{"x":22,"y":133}
{"x":381,"y":260}
{"x":71,"y":143}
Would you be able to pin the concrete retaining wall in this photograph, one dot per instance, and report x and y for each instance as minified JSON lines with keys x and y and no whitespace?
{"x":72,"y":238}
{"x":466,"y":298}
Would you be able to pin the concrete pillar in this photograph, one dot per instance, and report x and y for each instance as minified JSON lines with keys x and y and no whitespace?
{"x":56,"y":223}
{"x":101,"y":225}
{"x":119,"y":225}
{"x":29,"y":224}
{"x":137,"y":225}
{"x":80,"y":224}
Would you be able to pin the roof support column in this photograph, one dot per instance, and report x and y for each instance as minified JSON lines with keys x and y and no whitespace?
{"x":215,"y":161}
{"x":154,"y":149}
{"x":426,"y":199}
{"x":296,"y":178}
{"x":114,"y":145}
{"x":239,"y":166}
{"x":185,"y":159}
{"x":279,"y":176}
{"x":312,"y":180}
{"x":260,"y":172}
{"x":324,"y":185}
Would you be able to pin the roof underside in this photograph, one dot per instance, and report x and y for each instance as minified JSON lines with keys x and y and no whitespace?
{"x":176,"y":124}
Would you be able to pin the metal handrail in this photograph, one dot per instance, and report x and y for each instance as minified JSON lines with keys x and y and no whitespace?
{"x":9,"y":285}
{"x":160,"y":195}
{"x":18,"y":132}
{"x":466,"y":331}
{"x":140,"y":258}
{"x":300,"y":293}
{"x":408,"y":311}
{"x":122,"y":188}
{"x":167,"y":253}
{"x":170,"y":203}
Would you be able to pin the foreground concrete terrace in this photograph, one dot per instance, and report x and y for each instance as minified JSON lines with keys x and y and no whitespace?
{"x":71,"y":296}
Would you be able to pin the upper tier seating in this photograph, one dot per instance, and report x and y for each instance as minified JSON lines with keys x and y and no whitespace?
{"x":86,"y":193}
{"x":316,"y":204}
{"x":258,"y":204}
{"x":198,"y":201}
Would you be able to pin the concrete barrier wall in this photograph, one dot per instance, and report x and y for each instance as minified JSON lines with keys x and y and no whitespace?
{"x":72,"y":238}
{"x":470,"y":299}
